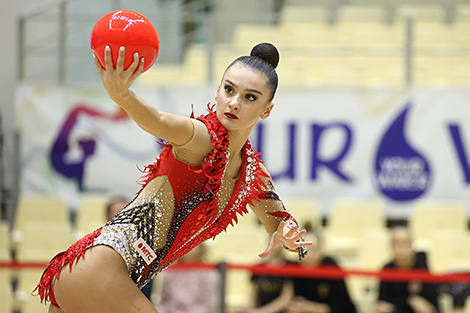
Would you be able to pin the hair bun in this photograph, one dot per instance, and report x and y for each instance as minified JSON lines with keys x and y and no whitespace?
{"x":266,"y":51}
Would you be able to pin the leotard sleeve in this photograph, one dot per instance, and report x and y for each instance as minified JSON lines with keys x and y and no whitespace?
{"x":271,"y":211}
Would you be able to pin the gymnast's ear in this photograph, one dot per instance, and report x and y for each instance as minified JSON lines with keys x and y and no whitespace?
{"x":217,"y":94}
{"x":267,"y":111}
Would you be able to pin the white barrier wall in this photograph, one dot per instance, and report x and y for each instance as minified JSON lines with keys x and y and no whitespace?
{"x":396,"y":146}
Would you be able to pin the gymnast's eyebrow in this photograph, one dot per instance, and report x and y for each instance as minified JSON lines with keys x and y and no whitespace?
{"x":250,"y":90}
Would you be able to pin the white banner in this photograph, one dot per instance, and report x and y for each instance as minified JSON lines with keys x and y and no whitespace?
{"x":325,"y":144}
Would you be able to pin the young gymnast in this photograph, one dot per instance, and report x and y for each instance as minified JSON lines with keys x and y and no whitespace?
{"x":206,"y":175}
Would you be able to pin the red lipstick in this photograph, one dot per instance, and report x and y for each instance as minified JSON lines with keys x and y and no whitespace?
{"x":231,"y":116}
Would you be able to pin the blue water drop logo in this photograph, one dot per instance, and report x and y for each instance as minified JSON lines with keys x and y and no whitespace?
{"x":401,"y":172}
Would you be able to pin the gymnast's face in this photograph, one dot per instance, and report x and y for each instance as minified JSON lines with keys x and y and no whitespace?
{"x":242,"y":98}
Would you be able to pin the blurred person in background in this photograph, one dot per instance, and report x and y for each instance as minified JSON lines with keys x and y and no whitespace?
{"x":406,"y":297}
{"x":308,"y":295}
{"x":114,"y":206}
{"x":270,"y":294}
{"x":195,"y":290}
{"x":319,"y":295}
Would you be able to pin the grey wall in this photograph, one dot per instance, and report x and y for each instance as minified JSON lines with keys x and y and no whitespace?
{"x":9,"y":11}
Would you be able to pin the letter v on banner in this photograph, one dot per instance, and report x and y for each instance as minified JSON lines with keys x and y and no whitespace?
{"x":461,"y":153}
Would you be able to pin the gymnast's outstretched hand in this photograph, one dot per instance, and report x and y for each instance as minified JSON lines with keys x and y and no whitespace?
{"x":289,"y":236}
{"x":117,"y":80}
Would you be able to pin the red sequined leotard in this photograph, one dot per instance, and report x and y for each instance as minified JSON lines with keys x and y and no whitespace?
{"x":179,"y":207}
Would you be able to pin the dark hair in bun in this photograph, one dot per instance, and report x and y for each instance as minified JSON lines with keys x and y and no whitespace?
{"x":264,"y":58}
{"x":267,"y":52}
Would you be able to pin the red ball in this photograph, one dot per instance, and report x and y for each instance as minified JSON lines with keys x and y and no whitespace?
{"x":129,"y":29}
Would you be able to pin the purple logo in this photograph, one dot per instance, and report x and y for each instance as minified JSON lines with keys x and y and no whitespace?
{"x":401,"y":172}
{"x":75,"y":170}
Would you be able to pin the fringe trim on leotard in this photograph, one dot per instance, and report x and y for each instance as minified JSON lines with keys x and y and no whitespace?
{"x":75,"y":252}
{"x":213,"y":166}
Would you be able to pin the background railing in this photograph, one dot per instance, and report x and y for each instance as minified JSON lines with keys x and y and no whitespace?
{"x":54,"y":39}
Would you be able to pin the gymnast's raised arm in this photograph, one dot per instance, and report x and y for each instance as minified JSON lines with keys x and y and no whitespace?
{"x":174,"y":128}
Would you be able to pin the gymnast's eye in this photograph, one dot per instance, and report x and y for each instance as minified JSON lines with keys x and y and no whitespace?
{"x":251,"y":97}
{"x":229,"y":89}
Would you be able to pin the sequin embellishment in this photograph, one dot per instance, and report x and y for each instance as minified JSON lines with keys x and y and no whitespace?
{"x":182,"y":213}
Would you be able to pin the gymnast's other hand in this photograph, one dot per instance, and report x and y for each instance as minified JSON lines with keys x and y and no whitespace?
{"x":117,"y":81}
{"x":288,"y":236}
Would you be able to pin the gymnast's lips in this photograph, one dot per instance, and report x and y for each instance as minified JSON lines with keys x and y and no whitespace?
{"x":231,"y":116}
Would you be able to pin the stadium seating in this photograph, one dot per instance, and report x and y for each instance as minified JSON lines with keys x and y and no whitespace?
{"x":305,"y":211}
{"x":330,"y":43}
{"x":348,"y":221}
{"x":307,"y":3}
{"x":41,"y":241}
{"x":6,"y":305}
{"x":358,"y":12}
{"x":372,"y":254}
{"x":294,"y":13}
{"x":27,"y":282}
{"x":40,"y":208}
{"x":448,"y":252}
{"x":462,"y":12}
{"x":4,"y":241}
{"x":420,"y":12}
{"x":247,"y":35}
{"x":231,"y":246}
{"x":92,"y":213}
{"x":429,"y":217}
{"x":374,"y":249}
{"x":41,"y":229}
